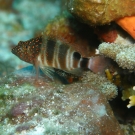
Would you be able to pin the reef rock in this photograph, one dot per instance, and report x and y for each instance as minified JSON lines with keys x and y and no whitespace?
{"x":99,"y":12}
{"x":101,"y":83}
{"x":46,"y":107}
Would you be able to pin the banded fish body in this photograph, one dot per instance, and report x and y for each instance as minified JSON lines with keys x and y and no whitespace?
{"x":49,"y":54}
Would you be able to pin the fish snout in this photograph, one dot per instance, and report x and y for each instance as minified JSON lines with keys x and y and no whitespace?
{"x":14,"y":49}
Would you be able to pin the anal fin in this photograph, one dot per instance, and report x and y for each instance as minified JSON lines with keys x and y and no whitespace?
{"x":68,"y":76}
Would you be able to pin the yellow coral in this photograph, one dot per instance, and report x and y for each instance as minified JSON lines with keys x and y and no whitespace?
{"x":113,"y":77}
{"x":129,"y":94}
{"x":132,"y":101}
{"x":108,"y":75}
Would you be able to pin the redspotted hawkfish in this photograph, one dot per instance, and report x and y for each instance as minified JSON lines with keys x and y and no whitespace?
{"x":52,"y":55}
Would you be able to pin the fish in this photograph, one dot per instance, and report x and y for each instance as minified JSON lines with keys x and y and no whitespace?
{"x":52,"y":55}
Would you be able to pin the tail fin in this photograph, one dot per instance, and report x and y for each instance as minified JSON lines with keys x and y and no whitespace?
{"x":98,"y":64}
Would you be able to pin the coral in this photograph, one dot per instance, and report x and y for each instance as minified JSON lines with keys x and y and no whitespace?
{"x":113,"y":77}
{"x":95,"y":12}
{"x":101,"y":82}
{"x":128,"y":129}
{"x":126,"y":58}
{"x":108,"y":74}
{"x":127,"y":23}
{"x":79,"y":108}
{"x":124,"y":55}
{"x":129,"y":93}
{"x":131,"y":102}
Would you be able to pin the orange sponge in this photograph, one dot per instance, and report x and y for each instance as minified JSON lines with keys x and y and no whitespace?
{"x":128,"y":24}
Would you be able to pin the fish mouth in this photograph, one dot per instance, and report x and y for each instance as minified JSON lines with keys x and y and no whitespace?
{"x":13,"y":50}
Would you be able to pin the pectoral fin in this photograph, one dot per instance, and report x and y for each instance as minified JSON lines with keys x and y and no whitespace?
{"x":48,"y":71}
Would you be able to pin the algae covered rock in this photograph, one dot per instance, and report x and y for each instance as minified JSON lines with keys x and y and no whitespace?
{"x":30,"y":106}
{"x":101,"y":83}
{"x":99,"y":12}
